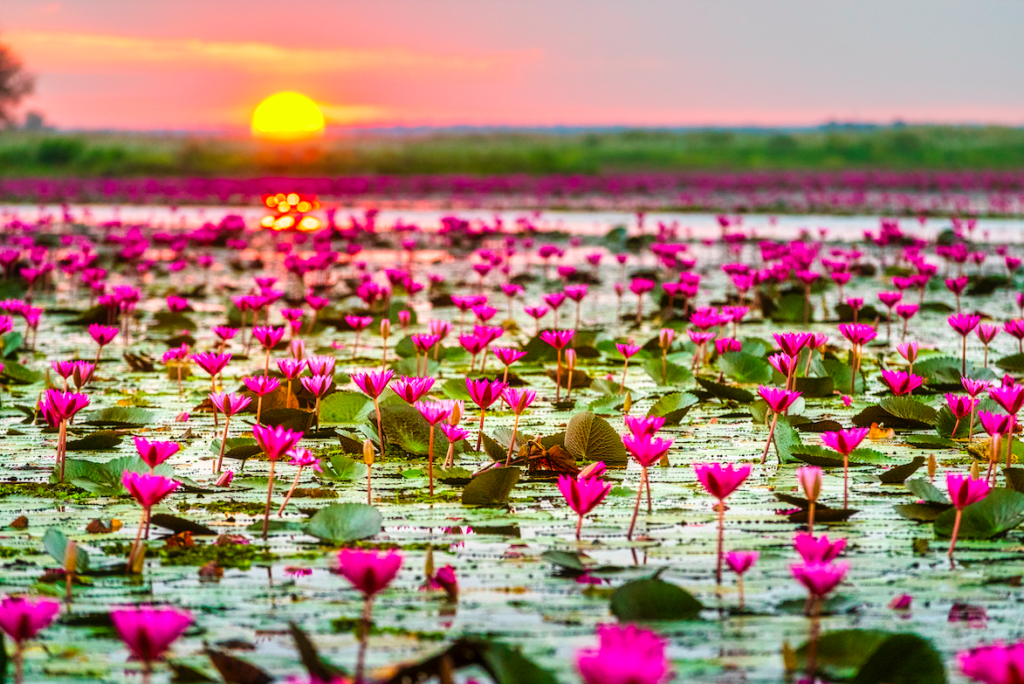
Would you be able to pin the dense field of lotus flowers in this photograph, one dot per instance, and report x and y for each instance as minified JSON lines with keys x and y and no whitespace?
{"x":389,"y":452}
{"x":908,"y":193}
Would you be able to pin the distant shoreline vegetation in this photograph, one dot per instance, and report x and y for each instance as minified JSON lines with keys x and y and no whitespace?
{"x":485,"y":152}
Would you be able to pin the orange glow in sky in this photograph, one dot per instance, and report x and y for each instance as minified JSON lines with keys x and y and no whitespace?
{"x":116,"y":64}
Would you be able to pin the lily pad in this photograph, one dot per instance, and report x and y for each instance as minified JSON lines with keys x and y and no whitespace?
{"x":652,"y":598}
{"x":673,"y":407}
{"x":1000,"y":511}
{"x":591,"y":438}
{"x":491,"y":487}
{"x":343,"y":523}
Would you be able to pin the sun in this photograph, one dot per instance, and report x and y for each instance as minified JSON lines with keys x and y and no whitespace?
{"x":287,"y":116}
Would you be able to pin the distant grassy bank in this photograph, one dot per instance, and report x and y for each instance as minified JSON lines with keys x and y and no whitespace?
{"x":643,"y":150}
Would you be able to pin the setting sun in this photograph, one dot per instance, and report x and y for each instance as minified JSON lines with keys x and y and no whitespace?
{"x":287,"y":116}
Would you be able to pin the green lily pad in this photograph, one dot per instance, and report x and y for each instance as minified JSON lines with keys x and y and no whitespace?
{"x":343,"y":523}
{"x":591,"y":438}
{"x":1000,"y":511}
{"x":491,"y":487}
{"x":653,"y":599}
{"x":673,"y":407}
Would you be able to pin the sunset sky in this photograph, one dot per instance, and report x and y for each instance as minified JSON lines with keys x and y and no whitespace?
{"x":205,"y":64}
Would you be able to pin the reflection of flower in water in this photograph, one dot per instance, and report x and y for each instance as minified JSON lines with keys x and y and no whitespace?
{"x":587,"y":578}
{"x":293,"y":571}
{"x":975,"y":616}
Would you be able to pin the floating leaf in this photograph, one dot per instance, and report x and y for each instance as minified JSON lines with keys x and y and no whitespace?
{"x":909,"y":409}
{"x":674,"y":374}
{"x":20,"y":375}
{"x":456,"y":389}
{"x":564,"y":559}
{"x":342,"y":468}
{"x":1013,"y":363}
{"x":1000,"y":511}
{"x":930,"y":441}
{"x":405,"y":428}
{"x":591,"y":438}
{"x":236,"y":671}
{"x":653,"y":599}
{"x":345,"y":407}
{"x":178,"y":525}
{"x":104,"y":479}
{"x":745,"y":368}
{"x":490,"y":487}
{"x":120,"y":417}
{"x":786,"y":440}
{"x":923,"y":489}
{"x":815,"y":388}
{"x":343,"y":523}
{"x":726,"y":392}
{"x":673,"y":407}
{"x":875,"y":657}
{"x":898,"y":474}
{"x":288,"y":418}
{"x":97,"y":441}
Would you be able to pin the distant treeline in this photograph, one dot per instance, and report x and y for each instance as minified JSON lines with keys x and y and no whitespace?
{"x":642,"y":150}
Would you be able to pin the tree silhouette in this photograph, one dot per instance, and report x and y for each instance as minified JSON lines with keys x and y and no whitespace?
{"x":15,"y":83}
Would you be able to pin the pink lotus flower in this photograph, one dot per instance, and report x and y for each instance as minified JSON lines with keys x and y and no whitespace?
{"x":558,"y":339}
{"x":507,"y":355}
{"x":779,"y":401}
{"x":518,"y":399}
{"x":1011,"y":398}
{"x":792,"y":343}
{"x":646,"y":449}
{"x":268,"y":336}
{"x":103,"y":334}
{"x":484,"y":393}
{"x":212,"y":363}
{"x":149,"y":632}
{"x":317,"y":385}
{"x":154,"y":453}
{"x":261,"y":385}
{"x":62,"y":406}
{"x":908,"y":351}
{"x":960,"y":407}
{"x":626,"y":654}
{"x":820,"y":579}
{"x":229,"y":403}
{"x":368,"y":571}
{"x":1015,"y":328}
{"x":858,"y":334}
{"x":741,"y":561}
{"x":964,"y":324}
{"x":963,"y":491}
{"x":22,"y":618}
{"x":292,"y":368}
{"x":583,"y":494}
{"x":817,"y":549}
{"x":320,"y":364}
{"x":412,"y":389}
{"x":148,"y":490}
{"x":720,"y":482}
{"x":997,"y":663}
{"x":275,"y":440}
{"x":900,"y":382}
{"x":645,"y":426}
{"x":726,"y":345}
{"x":373,"y":383}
